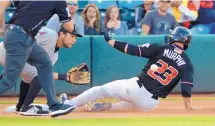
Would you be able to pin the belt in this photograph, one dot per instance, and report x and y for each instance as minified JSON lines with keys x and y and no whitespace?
{"x":141,"y":84}
{"x":11,"y":26}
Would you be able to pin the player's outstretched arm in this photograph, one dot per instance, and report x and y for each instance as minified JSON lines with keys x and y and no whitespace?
{"x":145,"y":50}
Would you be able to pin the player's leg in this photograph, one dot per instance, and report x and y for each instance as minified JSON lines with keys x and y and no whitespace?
{"x":122,"y":106}
{"x":24,"y":87}
{"x":27,"y":108}
{"x":33,"y":92}
{"x":127,"y":91}
{"x":40,"y":59}
{"x":29,"y":76}
{"x":144,"y":100}
{"x":98,"y":106}
{"x":116,"y":89}
{"x":18,"y":46}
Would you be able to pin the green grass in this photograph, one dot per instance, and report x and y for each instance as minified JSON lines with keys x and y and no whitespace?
{"x":147,"y":121}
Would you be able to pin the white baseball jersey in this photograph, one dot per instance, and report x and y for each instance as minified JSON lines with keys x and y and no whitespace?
{"x":47,"y":39}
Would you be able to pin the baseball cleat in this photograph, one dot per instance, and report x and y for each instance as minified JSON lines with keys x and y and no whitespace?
{"x":17,"y":110}
{"x":60,"y":109}
{"x":63,"y":98}
{"x":33,"y":111}
{"x":95,"y":106}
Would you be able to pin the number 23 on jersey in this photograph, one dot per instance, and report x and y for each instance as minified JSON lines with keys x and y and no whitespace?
{"x":162,"y":70}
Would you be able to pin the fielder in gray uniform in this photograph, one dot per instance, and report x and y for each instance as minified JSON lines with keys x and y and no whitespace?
{"x":51,"y":41}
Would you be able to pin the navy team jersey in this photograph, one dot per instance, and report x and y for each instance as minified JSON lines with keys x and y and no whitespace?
{"x":174,"y":66}
{"x":32,"y":15}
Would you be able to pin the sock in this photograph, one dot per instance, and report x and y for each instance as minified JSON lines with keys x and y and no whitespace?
{"x":24,"y":87}
{"x":32,"y":93}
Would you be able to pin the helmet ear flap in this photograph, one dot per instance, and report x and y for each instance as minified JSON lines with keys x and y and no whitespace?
{"x":171,"y":39}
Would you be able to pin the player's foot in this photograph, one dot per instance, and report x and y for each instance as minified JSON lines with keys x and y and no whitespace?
{"x":60,"y":109}
{"x":33,"y":110}
{"x":63,"y":97}
{"x":95,"y":106}
{"x":18,"y":108}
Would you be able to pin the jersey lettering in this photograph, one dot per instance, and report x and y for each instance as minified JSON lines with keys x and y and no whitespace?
{"x":162,"y":71}
{"x":145,"y":45}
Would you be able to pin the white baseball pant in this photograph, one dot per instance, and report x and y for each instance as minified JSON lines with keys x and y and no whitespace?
{"x":127,"y":91}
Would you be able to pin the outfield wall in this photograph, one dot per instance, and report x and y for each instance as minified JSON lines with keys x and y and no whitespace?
{"x":107,"y":64}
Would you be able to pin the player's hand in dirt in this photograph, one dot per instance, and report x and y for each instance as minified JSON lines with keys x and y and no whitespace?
{"x":194,"y":109}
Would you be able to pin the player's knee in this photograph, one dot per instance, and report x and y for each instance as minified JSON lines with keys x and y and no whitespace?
{"x":27,"y":77}
{"x":42,"y":61}
{"x":45,"y":64}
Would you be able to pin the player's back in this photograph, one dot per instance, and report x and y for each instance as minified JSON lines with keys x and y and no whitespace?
{"x":32,"y":15}
{"x":173,"y":65}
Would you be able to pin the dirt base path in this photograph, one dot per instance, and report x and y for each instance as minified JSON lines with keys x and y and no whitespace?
{"x":165,"y":108}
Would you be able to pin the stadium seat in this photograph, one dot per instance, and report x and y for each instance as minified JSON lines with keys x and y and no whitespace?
{"x":130,"y":4}
{"x":103,"y":4}
{"x":134,"y":31}
{"x":127,"y":15}
{"x":201,"y":29}
{"x":82,"y":4}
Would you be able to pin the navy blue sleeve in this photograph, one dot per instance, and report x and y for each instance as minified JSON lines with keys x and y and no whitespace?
{"x":187,"y":82}
{"x":62,"y":11}
{"x":186,"y":90}
{"x":147,"y":50}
